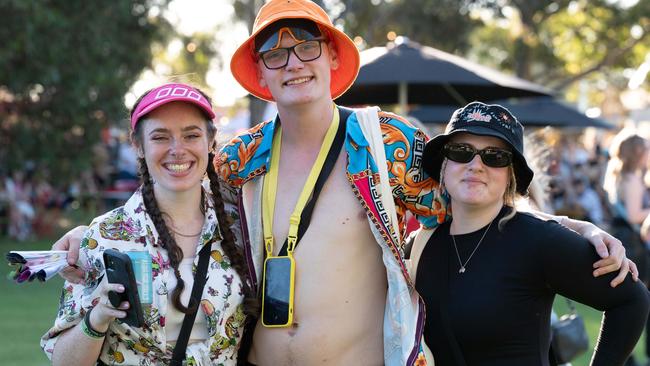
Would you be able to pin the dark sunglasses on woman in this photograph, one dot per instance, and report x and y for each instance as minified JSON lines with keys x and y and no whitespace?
{"x":493,"y":157}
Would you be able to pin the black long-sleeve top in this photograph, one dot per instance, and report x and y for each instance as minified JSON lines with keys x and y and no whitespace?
{"x":499,"y":308}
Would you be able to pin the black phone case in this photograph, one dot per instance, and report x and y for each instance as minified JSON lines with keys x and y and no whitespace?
{"x":120,"y":270}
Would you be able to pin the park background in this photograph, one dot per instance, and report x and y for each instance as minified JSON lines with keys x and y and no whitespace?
{"x":70,"y":69}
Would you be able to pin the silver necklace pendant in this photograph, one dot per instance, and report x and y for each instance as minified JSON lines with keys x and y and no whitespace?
{"x":460,"y":262}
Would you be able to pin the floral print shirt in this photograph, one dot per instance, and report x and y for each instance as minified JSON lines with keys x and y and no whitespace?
{"x":129,"y":228}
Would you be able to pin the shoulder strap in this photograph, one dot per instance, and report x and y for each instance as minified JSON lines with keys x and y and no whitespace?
{"x":330,"y":160}
{"x":188,"y":321}
{"x":420,"y":241}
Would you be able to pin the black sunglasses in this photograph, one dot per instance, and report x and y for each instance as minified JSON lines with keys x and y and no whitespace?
{"x":493,"y":157}
{"x":279,"y":57}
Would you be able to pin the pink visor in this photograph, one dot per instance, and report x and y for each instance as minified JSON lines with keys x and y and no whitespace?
{"x":173,"y":92}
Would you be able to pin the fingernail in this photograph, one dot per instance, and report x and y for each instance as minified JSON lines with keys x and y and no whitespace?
{"x":120,"y":288}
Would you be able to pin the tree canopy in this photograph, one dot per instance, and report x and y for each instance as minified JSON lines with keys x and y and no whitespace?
{"x":65,"y":67}
{"x":552,"y":42}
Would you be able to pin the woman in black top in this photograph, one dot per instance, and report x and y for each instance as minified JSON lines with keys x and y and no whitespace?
{"x":490,"y":275}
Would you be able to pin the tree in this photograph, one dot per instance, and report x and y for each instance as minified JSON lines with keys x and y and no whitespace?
{"x":65,"y":67}
{"x":192,"y":61}
{"x":558,"y":43}
{"x":554,"y":43}
{"x":439,"y":23}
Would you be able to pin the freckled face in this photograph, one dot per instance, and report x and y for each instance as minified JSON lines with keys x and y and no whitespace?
{"x":475,"y":183}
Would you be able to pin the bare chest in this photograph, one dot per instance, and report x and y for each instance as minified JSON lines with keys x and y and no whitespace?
{"x":337,"y":211}
{"x":340,"y":280}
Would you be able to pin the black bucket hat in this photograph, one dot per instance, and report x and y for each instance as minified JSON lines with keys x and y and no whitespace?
{"x":484,"y":120}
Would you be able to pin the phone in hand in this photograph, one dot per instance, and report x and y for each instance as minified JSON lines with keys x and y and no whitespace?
{"x":278,"y":291}
{"x":120,"y":270}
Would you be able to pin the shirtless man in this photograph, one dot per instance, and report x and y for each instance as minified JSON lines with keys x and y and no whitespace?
{"x":354,"y":302}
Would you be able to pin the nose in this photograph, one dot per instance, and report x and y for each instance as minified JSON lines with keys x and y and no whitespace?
{"x":476,"y":163}
{"x":294,"y":63}
{"x":177,"y":147}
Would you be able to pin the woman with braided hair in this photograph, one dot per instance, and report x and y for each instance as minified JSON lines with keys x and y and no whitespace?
{"x":172,"y":217}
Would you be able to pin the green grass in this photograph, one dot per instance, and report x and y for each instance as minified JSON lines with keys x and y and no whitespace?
{"x":28,"y":310}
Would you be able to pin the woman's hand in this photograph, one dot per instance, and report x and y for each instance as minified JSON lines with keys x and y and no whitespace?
{"x":71,"y":242}
{"x":609,"y":248}
{"x":104,"y":312}
{"x":81,"y":347}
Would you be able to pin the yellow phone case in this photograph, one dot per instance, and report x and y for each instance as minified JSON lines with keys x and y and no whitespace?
{"x":291,"y":292}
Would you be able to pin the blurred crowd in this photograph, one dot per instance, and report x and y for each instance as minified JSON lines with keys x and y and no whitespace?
{"x":31,"y":206}
{"x":598,"y":176}
{"x":29,"y":203}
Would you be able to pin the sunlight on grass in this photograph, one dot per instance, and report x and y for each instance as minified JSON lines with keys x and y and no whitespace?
{"x":28,"y":310}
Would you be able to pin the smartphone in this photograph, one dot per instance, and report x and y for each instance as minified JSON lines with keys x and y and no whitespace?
{"x":120,"y":270}
{"x":277,"y":291}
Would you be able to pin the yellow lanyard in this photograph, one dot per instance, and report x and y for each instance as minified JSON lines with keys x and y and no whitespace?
{"x":269,"y":189}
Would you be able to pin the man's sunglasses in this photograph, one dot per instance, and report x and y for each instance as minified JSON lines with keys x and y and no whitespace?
{"x":279,"y":57}
{"x":298,"y":29}
{"x":493,"y":157}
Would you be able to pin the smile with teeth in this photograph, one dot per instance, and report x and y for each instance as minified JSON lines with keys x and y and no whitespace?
{"x":298,"y":81}
{"x":177,"y":168}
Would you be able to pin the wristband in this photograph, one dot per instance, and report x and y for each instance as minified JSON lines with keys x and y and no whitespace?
{"x":88,"y":330}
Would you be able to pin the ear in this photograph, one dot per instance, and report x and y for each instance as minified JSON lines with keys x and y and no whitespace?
{"x":139,"y":151}
{"x":260,"y":76}
{"x":334,"y":56}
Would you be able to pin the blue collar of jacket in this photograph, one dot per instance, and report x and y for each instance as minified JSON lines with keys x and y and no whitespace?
{"x":259,"y":141}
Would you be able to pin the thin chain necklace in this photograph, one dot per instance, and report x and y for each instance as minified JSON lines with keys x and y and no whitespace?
{"x":170,"y":221}
{"x":187,"y":235}
{"x":173,"y":229}
{"x":463,"y":266}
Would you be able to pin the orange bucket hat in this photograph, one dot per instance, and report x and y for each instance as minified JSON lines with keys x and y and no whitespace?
{"x":243,"y":64}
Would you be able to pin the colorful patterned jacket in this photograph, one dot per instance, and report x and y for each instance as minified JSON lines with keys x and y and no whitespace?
{"x":243,"y":163}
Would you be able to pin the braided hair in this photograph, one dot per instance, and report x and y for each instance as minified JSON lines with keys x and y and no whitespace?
{"x":167,"y":240}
